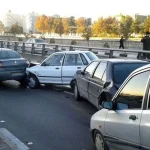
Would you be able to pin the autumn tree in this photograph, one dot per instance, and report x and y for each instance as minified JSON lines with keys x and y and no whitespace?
{"x":58,"y":26}
{"x":65,"y":22}
{"x":81,"y":24}
{"x":126,"y":26}
{"x":147,"y":25}
{"x":16,"y":29}
{"x":2,"y":28}
{"x":136,"y":26}
{"x":42,"y":24}
{"x":72,"y":24}
{"x":87,"y":33}
{"x":49,"y":24}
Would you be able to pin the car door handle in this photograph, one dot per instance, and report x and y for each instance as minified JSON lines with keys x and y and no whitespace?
{"x":78,"y":67}
{"x":133,"y":117}
{"x":56,"y":68}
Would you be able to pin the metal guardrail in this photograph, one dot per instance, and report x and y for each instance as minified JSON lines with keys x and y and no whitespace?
{"x":47,"y":49}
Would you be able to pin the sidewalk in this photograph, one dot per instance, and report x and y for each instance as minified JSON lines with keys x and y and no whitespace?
{"x":9,"y":142}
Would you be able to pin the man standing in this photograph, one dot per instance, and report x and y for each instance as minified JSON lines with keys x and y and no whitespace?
{"x":146,"y":45}
{"x":121,"y":43}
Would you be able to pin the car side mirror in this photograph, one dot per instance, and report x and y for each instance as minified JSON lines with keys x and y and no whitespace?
{"x":122,"y":106}
{"x":106,"y":84}
{"x":108,"y":105}
{"x":82,"y":72}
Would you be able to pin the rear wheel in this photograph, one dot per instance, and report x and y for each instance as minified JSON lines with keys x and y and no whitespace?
{"x":76,"y":92}
{"x":99,"y":141}
{"x":33,"y":82}
{"x":23,"y":82}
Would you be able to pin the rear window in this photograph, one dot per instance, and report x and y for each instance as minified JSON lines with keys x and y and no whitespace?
{"x":91,"y":56}
{"x":9,"y":54}
{"x":39,"y":41}
{"x":122,"y":71}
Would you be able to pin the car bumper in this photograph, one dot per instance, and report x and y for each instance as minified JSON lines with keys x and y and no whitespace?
{"x":12,"y":75}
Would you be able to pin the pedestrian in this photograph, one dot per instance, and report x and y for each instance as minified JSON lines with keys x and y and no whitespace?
{"x":146,"y":45}
{"x":121,"y":43}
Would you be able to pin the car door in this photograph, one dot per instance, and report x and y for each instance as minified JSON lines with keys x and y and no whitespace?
{"x":96,"y":83}
{"x":72,"y":63}
{"x":83,"y":80}
{"x":145,"y":126}
{"x":122,"y":126}
{"x":50,"y":69}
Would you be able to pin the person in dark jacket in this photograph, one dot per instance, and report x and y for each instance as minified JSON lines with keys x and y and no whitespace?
{"x":121,"y":43}
{"x":146,"y":45}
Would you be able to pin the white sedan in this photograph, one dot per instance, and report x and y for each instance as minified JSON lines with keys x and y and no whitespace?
{"x":59,"y":68}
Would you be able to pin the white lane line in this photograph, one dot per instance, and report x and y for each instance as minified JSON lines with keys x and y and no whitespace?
{"x":29,"y":143}
{"x":13,"y":142}
{"x":69,"y":93}
{"x":2,"y":121}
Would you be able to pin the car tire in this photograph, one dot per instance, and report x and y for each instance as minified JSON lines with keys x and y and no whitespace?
{"x":99,"y":141}
{"x":33,"y":82}
{"x":23,"y":82}
{"x":76,"y":92}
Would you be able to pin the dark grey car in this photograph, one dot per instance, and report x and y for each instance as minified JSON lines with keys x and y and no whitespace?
{"x":12,"y":66}
{"x":100,"y":80}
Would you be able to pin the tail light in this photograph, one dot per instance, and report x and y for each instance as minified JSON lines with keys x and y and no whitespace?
{"x":1,"y":64}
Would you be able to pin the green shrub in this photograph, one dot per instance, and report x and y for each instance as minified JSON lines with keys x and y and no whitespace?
{"x":73,"y":42}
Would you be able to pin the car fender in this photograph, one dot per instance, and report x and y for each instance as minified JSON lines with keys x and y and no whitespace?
{"x":32,"y":70}
{"x":98,"y":121}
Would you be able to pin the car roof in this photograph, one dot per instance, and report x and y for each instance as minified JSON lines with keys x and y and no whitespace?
{"x":6,"y":49}
{"x":142,"y":68}
{"x":113,"y":60}
{"x":73,"y":52}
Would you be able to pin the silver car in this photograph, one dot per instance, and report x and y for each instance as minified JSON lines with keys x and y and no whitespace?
{"x":124,"y":123}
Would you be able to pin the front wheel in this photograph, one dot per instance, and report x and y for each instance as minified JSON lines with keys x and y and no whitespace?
{"x":33,"y":82}
{"x":76,"y":92}
{"x":99,"y":141}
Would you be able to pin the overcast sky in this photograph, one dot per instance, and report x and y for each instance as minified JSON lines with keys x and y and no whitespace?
{"x":85,"y":8}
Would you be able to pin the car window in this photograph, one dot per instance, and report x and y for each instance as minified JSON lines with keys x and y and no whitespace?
{"x":90,"y":69}
{"x":72,"y":60}
{"x":13,"y":54}
{"x":91,"y":56}
{"x":85,"y":62}
{"x":133,"y":92}
{"x":39,"y":41}
{"x":122,"y":70}
{"x":100,"y":70}
{"x":4,"y":55}
{"x":55,"y":60}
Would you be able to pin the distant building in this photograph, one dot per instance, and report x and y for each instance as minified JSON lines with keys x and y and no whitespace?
{"x":141,"y":18}
{"x":11,"y":19}
{"x":29,"y":23}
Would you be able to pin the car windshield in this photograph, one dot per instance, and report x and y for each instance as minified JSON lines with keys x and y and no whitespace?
{"x":39,"y":41}
{"x":91,"y":56}
{"x":9,"y":54}
{"x":122,"y":71}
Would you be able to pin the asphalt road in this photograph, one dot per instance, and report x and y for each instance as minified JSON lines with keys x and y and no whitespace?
{"x":46,"y":117}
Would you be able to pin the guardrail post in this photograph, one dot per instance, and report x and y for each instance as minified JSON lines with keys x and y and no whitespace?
{"x":43,"y":49}
{"x":23,"y":47}
{"x":111,"y":54}
{"x":139,"y":56}
{"x":8,"y":44}
{"x":32,"y":50}
{"x":90,"y":49}
{"x":56,"y":48}
{"x":70,"y":48}
{"x":2,"y":44}
{"x":15,"y":46}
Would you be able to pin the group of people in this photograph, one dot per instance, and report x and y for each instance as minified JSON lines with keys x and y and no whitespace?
{"x":146,"y":44}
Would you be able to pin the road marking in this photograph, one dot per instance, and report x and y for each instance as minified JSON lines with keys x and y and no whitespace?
{"x":2,"y":121}
{"x":29,"y":143}
{"x":13,"y":142}
{"x":69,"y":93}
